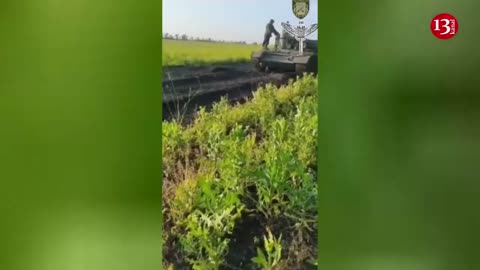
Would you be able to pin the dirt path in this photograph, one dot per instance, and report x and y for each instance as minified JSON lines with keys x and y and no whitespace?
{"x":187,"y":88}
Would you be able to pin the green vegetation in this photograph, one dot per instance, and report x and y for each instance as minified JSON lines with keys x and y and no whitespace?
{"x":185,"y":52}
{"x":273,"y":247}
{"x":239,"y":184}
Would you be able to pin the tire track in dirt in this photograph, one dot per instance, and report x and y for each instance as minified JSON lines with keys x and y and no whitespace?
{"x":184,"y":89}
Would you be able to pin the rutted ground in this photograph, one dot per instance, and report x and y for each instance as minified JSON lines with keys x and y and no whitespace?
{"x":186,"y":88}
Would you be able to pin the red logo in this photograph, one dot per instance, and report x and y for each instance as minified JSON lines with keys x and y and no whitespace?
{"x":444,"y":26}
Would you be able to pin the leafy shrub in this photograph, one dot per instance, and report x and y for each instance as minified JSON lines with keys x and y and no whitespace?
{"x":234,"y":162}
{"x":273,"y":248}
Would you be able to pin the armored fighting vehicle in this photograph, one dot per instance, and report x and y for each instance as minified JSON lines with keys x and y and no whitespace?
{"x":287,"y":58}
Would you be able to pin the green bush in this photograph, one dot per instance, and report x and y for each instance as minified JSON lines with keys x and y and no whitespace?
{"x":254,"y":159}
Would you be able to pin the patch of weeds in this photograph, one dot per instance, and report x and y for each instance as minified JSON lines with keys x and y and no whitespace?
{"x":270,"y":259}
{"x":239,"y":171}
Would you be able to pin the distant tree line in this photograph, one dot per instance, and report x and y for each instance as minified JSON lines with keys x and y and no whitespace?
{"x":186,"y":37}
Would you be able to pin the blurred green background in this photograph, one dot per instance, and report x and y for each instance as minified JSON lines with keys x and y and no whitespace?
{"x":80,"y":117}
{"x":399,"y":143}
{"x":80,"y":134}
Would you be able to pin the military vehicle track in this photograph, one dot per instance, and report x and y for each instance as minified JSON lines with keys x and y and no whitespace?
{"x":186,"y":88}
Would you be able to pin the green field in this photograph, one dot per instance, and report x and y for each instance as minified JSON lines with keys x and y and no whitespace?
{"x":181,"y":52}
{"x":238,"y":188}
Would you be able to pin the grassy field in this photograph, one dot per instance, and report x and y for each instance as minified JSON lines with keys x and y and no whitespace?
{"x":180,"y":52}
{"x":239,"y":190}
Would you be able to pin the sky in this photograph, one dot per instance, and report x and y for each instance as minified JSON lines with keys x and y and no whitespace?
{"x":232,"y":20}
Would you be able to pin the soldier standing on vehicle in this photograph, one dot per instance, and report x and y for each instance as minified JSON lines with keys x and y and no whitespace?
{"x":268,"y":33}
